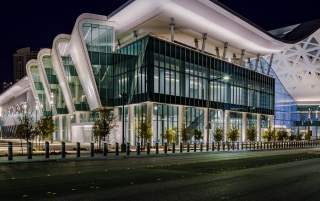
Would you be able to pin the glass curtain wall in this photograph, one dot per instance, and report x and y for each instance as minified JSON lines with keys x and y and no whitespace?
{"x":57,"y":95}
{"x":216,"y":121}
{"x":44,"y":103}
{"x":182,"y":76}
{"x":99,"y":40}
{"x":194,"y":119}
{"x":164,"y":117}
{"x":78,"y":96}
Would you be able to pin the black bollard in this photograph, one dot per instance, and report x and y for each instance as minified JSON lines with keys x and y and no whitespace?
{"x":29,"y":150}
{"x":117,"y":149}
{"x":181,"y":147}
{"x":138,"y":149}
{"x":92,"y":149}
{"x":63,"y":150}
{"x":148,"y":148}
{"x":47,"y":155}
{"x":207,"y":147}
{"x":212,"y":146}
{"x":218,"y":146}
{"x":105,"y":149}
{"x":157,"y":148}
{"x":201,"y":147}
{"x":223,"y":146}
{"x":78,"y":149}
{"x":194,"y":147}
{"x":165,"y":148}
{"x":188,"y":147}
{"x":10,"y":151}
{"x":128,"y":149}
{"x":173,"y":148}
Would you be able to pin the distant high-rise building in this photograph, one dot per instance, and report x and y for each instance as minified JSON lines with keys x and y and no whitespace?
{"x":20,"y":59}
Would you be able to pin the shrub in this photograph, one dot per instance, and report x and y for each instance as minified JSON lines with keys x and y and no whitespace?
{"x":251,"y":134}
{"x":218,"y":134}
{"x":170,"y":135}
{"x":233,"y":134}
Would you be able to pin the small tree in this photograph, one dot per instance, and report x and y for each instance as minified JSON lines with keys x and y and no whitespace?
{"x":268,"y":134}
{"x":44,"y":128}
{"x":299,"y":136}
{"x":197,"y":135}
{"x":103,"y":125}
{"x":233,"y":134}
{"x":282,"y":135}
{"x":186,"y":135}
{"x":251,"y":134}
{"x":218,"y":134}
{"x":25,"y":128}
{"x":307,"y":135}
{"x":170,"y":135}
{"x":144,"y":132}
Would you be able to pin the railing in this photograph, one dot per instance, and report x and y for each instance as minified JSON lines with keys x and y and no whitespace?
{"x":10,"y":151}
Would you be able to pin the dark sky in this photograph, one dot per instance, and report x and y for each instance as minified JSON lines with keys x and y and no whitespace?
{"x":35,"y":23}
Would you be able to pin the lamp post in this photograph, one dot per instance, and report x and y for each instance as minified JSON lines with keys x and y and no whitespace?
{"x":123,"y":96}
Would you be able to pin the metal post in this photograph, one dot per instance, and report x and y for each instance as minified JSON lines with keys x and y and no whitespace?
{"x":117,"y":149}
{"x":128,"y":149}
{"x":148,"y":148}
{"x":194,"y":147}
{"x":138,"y":148}
{"x":181,"y":147}
{"x":78,"y":149}
{"x":157,"y":148}
{"x":92,"y":149}
{"x":173,"y":148}
{"x":105,"y":149}
{"x":47,"y":155}
{"x":63,"y":150}
{"x":165,"y":147}
{"x":201,"y":147}
{"x":212,"y":146}
{"x":10,"y":152}
{"x":29,"y":150}
{"x":188,"y":147}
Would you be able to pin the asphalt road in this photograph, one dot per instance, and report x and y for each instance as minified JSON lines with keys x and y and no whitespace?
{"x":282,"y":175}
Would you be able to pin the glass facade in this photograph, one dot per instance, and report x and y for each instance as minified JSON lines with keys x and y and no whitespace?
{"x":44,"y":103}
{"x":78,"y":97}
{"x":99,"y":41}
{"x":55,"y":89}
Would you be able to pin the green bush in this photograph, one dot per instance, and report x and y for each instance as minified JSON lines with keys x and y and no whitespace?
{"x":251,"y":134}
{"x":218,"y":135}
{"x":269,"y":135}
{"x":197,"y":135}
{"x":170,"y":135}
{"x":282,"y":135}
{"x":307,"y":136}
{"x":233,"y":134}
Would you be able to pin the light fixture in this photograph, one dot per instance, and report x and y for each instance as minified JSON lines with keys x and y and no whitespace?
{"x":226,"y":77}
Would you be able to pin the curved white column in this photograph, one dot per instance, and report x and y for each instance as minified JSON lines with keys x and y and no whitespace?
{"x":43,"y":77}
{"x":81,"y":60}
{"x":30,"y":63}
{"x":59,"y":69}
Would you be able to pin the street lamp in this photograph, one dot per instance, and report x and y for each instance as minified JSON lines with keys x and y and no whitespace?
{"x":123,"y":96}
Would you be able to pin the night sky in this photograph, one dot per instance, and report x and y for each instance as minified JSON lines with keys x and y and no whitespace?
{"x":35,"y":23}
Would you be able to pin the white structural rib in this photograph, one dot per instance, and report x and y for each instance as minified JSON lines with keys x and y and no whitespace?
{"x":59,"y":69}
{"x":30,"y":63}
{"x":43,"y":76}
{"x":81,"y":60}
{"x":204,"y":16}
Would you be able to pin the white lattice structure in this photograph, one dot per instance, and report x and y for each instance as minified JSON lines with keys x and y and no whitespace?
{"x":298,"y":68}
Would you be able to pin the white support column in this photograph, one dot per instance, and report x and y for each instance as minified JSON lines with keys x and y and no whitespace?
{"x":77,"y":117}
{"x":244,"y":126}
{"x":271,"y":121}
{"x":258,"y":127}
{"x":68,"y":126}
{"x":206,"y":124}
{"x":61,"y":128}
{"x":226,"y":124}
{"x":131,"y":124}
{"x":150,"y":118}
{"x":181,"y":121}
